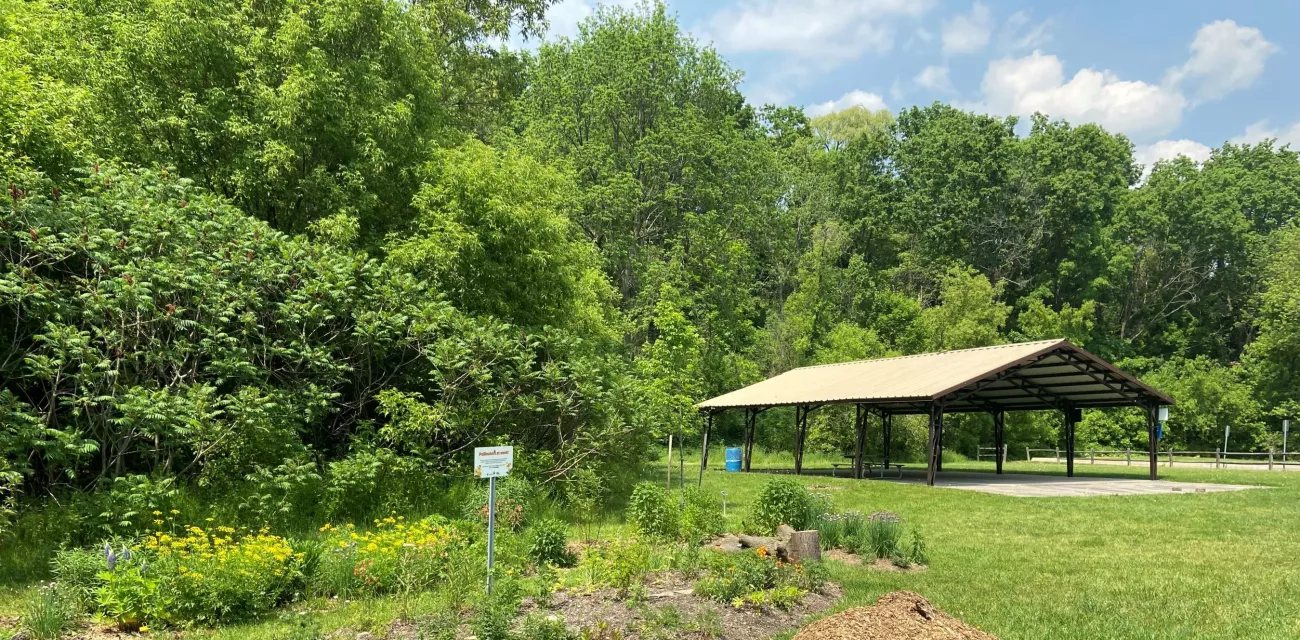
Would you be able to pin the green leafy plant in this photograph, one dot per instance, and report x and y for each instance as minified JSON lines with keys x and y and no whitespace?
{"x":77,"y":572}
{"x":661,"y":623}
{"x":494,"y":614}
{"x":652,"y":511}
{"x":784,"y":597}
{"x":538,"y":626}
{"x":548,"y":543}
{"x":602,"y":631}
{"x":623,"y":564}
{"x":701,"y":515}
{"x":916,"y":548}
{"x":782,"y":501}
{"x":440,"y":625}
{"x":732,"y":575}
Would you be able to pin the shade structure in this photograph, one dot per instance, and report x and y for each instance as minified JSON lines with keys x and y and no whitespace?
{"x":1027,"y":376}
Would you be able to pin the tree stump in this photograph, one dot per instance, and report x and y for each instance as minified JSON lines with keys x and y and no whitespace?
{"x":805,"y":545}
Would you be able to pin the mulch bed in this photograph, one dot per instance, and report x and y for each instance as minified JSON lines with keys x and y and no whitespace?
{"x":671,"y":589}
{"x":901,"y":615}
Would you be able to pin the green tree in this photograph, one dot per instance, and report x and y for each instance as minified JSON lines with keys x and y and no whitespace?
{"x":295,"y":110}
{"x":493,"y":233}
{"x":1274,"y":357}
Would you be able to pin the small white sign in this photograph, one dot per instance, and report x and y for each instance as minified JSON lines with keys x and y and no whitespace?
{"x":493,"y":462}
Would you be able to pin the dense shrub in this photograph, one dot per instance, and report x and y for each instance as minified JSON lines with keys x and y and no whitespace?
{"x":548,"y":543}
{"x":652,"y":511}
{"x":782,"y":501}
{"x":394,"y":556}
{"x":514,"y":500}
{"x":152,"y":328}
{"x":701,"y":516}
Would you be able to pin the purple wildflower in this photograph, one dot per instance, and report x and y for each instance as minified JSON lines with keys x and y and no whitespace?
{"x":110,"y":558}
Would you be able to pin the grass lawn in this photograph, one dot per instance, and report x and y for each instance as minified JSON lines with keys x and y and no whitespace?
{"x":1220,"y":565}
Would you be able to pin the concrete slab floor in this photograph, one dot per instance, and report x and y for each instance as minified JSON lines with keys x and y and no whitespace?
{"x":1035,"y":486}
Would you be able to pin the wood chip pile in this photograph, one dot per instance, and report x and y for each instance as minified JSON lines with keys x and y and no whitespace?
{"x":901,"y":615}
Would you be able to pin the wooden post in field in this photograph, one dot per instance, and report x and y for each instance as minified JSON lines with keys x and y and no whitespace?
{"x":704,"y":447}
{"x":670,"y":462}
{"x":1152,"y":452}
{"x":1128,"y":456}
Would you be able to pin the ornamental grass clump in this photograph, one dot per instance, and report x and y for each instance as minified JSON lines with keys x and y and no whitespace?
{"x":46,"y":615}
{"x":838,"y":529}
{"x":394,"y":556}
{"x":883,"y":531}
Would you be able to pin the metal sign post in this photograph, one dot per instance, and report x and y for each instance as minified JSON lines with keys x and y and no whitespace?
{"x":492,"y":463}
{"x":1227,"y":428}
{"x":1286,"y":427}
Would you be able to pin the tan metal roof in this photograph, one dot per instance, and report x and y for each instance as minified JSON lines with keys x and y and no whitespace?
{"x":1028,"y":375}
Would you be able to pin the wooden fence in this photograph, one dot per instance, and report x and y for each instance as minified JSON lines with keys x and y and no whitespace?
{"x":1218,"y":458}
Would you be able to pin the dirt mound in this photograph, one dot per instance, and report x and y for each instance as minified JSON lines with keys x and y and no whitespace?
{"x":901,"y":615}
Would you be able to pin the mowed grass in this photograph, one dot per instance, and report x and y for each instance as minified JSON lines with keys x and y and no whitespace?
{"x":1186,"y":565}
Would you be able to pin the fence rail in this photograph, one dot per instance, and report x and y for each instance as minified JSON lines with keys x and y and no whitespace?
{"x":1220,"y":459}
{"x":990,"y":453}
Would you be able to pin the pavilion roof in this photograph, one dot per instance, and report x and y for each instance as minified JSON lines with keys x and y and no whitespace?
{"x":1047,"y":374}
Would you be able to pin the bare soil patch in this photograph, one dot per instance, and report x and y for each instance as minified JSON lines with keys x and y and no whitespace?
{"x":670,"y":589}
{"x":901,"y":615}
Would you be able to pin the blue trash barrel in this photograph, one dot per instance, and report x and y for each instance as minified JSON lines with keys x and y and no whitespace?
{"x":733,"y":458}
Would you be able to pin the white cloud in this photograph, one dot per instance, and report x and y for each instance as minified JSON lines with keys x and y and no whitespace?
{"x":896,"y":92}
{"x":565,"y":16}
{"x":828,"y":32}
{"x":1149,"y":154}
{"x":934,"y":77}
{"x":1037,"y":83}
{"x":1020,"y":33}
{"x":850,"y":99}
{"x":1225,"y":57}
{"x":968,"y":33}
{"x":1260,"y":131}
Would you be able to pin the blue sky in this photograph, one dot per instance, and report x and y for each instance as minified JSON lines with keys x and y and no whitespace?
{"x":1176,"y":76}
